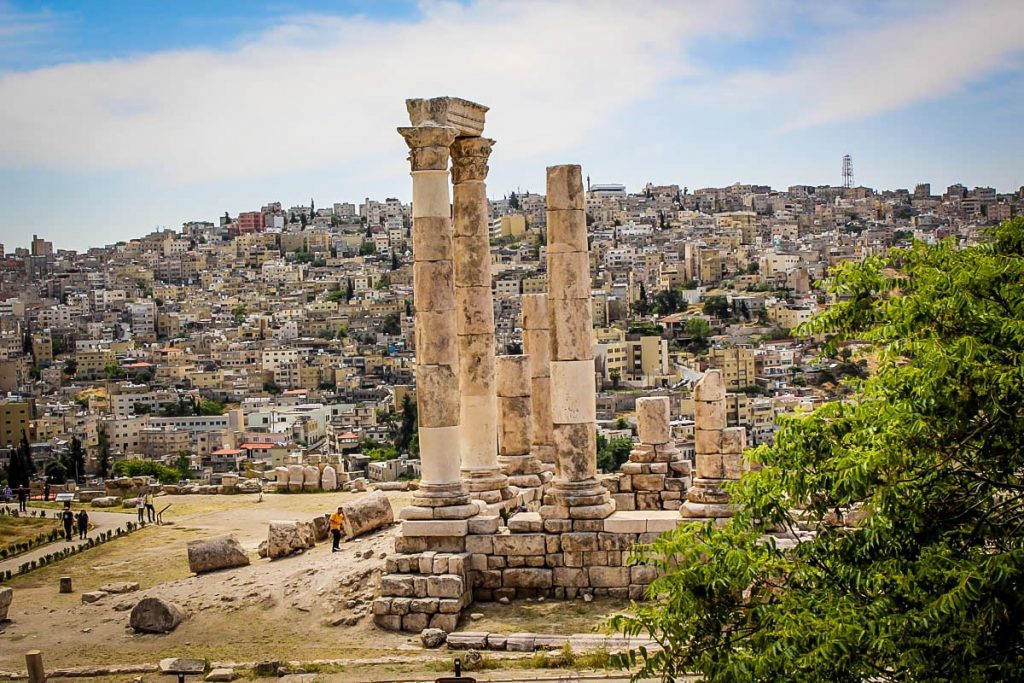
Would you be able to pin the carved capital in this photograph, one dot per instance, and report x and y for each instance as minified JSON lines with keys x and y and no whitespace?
{"x":428,"y":146}
{"x":469,"y":159}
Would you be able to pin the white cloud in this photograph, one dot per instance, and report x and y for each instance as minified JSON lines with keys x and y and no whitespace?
{"x":318,"y":90}
{"x":937,"y":51}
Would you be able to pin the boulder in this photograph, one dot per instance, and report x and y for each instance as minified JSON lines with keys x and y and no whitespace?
{"x":329,"y":479}
{"x":93,"y":596}
{"x":248,"y":486}
{"x":155,"y":615}
{"x":106,"y":502}
{"x":321,"y":528}
{"x":285,"y":537}
{"x":6,"y":595}
{"x":433,"y":637}
{"x":221,"y":674}
{"x":261,"y":550}
{"x":219,"y":552}
{"x":367,"y":513}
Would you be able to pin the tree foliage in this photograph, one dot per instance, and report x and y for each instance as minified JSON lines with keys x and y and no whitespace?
{"x":913,"y":487}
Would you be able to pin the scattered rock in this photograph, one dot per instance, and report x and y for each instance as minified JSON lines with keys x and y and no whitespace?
{"x":120,"y":587}
{"x":433,"y":637}
{"x":155,"y":615}
{"x":503,"y":600}
{"x":94,"y":596}
{"x":221,"y":675}
{"x":587,"y":597}
{"x":367,"y":554}
{"x":367,"y":513}
{"x":106,"y":502}
{"x":321,"y":528}
{"x":262,"y":549}
{"x":476,"y":616}
{"x":473,"y":659}
{"x":219,"y":552}
{"x":123,"y":606}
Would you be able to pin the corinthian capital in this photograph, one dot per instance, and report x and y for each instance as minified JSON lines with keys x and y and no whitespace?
{"x":469,"y":159}
{"x":428,"y":146}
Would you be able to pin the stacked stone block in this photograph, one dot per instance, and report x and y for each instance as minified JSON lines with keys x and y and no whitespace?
{"x":656,"y":476}
{"x":719,"y":452}
{"x":515,"y":431}
{"x":423,"y":590}
{"x":575,"y":493}
{"x":536,"y":345}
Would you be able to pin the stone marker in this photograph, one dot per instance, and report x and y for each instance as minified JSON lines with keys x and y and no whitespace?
{"x":433,"y":637}
{"x":367,"y":513}
{"x":219,"y":552}
{"x":155,"y":615}
{"x":6,"y":595}
{"x":65,"y":584}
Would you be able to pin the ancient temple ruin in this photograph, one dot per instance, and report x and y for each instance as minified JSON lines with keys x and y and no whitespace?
{"x":499,"y":434}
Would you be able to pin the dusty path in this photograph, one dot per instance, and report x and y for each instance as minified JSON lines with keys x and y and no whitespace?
{"x":98,"y":521}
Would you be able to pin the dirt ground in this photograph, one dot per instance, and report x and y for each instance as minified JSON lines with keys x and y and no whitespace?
{"x":311,"y":606}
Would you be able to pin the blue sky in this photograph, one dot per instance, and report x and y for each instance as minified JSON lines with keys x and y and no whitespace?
{"x":120,"y":117}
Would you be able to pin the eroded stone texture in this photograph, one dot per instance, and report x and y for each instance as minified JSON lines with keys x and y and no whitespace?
{"x":219,"y":552}
{"x":367,"y":513}
{"x":537,"y":345}
{"x":718,"y":449}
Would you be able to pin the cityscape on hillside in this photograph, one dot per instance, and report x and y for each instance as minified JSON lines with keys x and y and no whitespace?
{"x":269,"y":336}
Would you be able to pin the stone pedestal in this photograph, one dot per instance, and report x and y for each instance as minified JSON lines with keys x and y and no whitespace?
{"x":515,"y":411}
{"x":719,"y":451}
{"x":575,"y":493}
{"x":437,"y":377}
{"x":474,"y":306}
{"x":536,"y":345}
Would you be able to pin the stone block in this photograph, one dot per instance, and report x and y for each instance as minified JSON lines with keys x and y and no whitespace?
{"x":573,"y":393}
{"x":480,"y":544}
{"x":567,"y":231}
{"x":388,"y":622}
{"x":496,"y":641}
{"x":648,"y":482}
{"x":436,"y":338}
{"x":588,"y":525}
{"x":520,"y":642}
{"x":707,"y":441}
{"x":445,"y":622}
{"x":445,"y":586}
{"x":519,"y":544}
{"x":577,"y":446}
{"x":416,"y":512}
{"x":710,"y":416}
{"x":397,"y":585}
{"x":515,"y":425}
{"x":653,"y":419}
{"x":557,"y":526}
{"x":568,"y":280}
{"x":467,"y":640}
{"x":570,"y":576}
{"x":616,"y":541}
{"x":597,"y":512}
{"x":623,"y":502}
{"x":488,"y":579}
{"x":401,"y":605}
{"x":642,"y":574}
{"x":474,"y":310}
{"x":435,"y":387}
{"x":525,"y":522}
{"x":431,"y":241}
{"x":648,"y":500}
{"x":579,"y":542}
{"x":440,"y":294}
{"x":734,"y":440}
{"x":527,"y":578}
{"x":476,"y":365}
{"x":430,"y":197}
{"x":415,"y":622}
{"x":658,"y":468}
{"x":609,"y":577}
{"x":450,"y":606}
{"x":472,"y":261}
{"x":565,"y":187}
{"x":424,"y":605}
{"x":455,"y":527}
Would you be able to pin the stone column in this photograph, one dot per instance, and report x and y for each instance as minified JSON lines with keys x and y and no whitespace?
{"x":719,"y":450}
{"x":536,"y":345}
{"x":474,"y":305}
{"x":437,"y":354}
{"x":515,"y":413}
{"x":575,"y":493}
{"x":657,"y":470}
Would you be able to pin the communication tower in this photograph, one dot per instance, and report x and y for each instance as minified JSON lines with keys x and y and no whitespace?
{"x":847,"y":171}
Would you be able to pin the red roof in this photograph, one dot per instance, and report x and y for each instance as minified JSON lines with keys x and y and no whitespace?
{"x":293,"y":392}
{"x":349,"y":435}
{"x":227,"y":451}
{"x":255,"y":445}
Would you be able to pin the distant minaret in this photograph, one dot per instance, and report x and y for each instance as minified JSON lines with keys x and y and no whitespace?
{"x":847,"y":171}
{"x":588,"y":183}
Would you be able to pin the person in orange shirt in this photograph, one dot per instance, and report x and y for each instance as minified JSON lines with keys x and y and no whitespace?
{"x":336,"y":521}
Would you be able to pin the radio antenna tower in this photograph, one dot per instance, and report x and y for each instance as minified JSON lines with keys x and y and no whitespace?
{"x":847,"y":171}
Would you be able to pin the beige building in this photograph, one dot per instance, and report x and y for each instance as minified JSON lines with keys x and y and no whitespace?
{"x":737,"y":365}
{"x":14,"y":421}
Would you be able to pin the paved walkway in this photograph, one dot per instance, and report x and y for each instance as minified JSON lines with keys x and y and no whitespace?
{"x":99,"y":522}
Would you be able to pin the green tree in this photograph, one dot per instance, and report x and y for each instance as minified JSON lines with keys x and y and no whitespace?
{"x":74,"y":462}
{"x":238,"y":313}
{"x":409,"y":424}
{"x":210,"y":407}
{"x":392,"y":324}
{"x":913,"y":489}
{"x":21,"y":466}
{"x":395,"y":262}
{"x":611,"y":454}
{"x":103,"y":461}
{"x":56,"y":472}
{"x":716,"y":306}
{"x":698,"y":328}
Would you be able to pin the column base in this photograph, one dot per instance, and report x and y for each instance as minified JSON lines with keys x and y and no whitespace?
{"x":519,"y":464}
{"x":586,"y":499}
{"x":440,"y":495}
{"x":544,"y":452}
{"x":490,"y":486}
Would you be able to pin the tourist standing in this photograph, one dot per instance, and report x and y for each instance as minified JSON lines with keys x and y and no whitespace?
{"x":22,"y":498}
{"x":46,"y":490}
{"x":336,"y":520}
{"x":68,"y":518}
{"x":140,"y":507}
{"x":83,"y":524}
{"x":7,"y":493}
{"x":150,"y":509}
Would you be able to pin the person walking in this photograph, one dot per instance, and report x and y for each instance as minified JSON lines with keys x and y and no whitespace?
{"x":140,"y":507}
{"x":46,"y":490}
{"x":335,"y":522}
{"x":150,"y":508}
{"x":83,"y":524}
{"x":68,"y":518}
{"x":7,"y":493}
{"x":22,"y":498}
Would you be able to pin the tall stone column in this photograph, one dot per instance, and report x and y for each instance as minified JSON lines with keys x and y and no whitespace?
{"x":474,"y":305}
{"x":515,"y":414}
{"x":575,"y":493}
{"x":536,"y":345}
{"x":437,"y":355}
{"x":719,"y":450}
